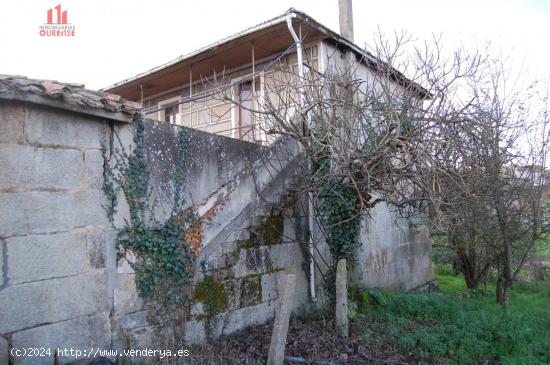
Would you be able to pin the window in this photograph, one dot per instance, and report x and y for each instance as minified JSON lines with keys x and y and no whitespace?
{"x":311,"y":59}
{"x":248,"y":98}
{"x":205,"y":111}
{"x":169,"y":110}
{"x":202,"y":108}
{"x":171,"y":114}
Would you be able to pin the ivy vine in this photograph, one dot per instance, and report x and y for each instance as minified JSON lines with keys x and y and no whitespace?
{"x":163,"y":256}
{"x":337,"y":204}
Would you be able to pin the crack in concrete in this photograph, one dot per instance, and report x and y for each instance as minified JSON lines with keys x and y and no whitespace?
{"x":4,"y":264}
{"x":49,"y":278}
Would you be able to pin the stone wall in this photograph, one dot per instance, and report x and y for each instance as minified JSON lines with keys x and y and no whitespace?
{"x":247,"y":242}
{"x":56,"y":255}
{"x":61,"y":283}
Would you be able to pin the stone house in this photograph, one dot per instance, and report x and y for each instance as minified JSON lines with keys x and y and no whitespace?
{"x":63,"y":285}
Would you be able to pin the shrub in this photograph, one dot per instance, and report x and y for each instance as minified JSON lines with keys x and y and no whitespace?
{"x":444,"y":269}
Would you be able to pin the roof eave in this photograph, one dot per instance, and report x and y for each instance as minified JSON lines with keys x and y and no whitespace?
{"x":370,"y":59}
{"x":182,"y":58}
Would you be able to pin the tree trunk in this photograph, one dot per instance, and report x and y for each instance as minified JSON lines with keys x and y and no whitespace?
{"x":506,"y":292}
{"x":508,"y":274}
{"x":503,"y":291}
{"x":468,"y":268}
{"x":500,"y":291}
{"x":471,"y":281}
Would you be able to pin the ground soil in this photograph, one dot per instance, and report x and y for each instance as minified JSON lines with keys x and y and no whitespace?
{"x":314,"y":341}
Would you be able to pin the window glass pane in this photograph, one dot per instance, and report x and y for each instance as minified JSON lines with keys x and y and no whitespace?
{"x":204,"y":116}
{"x":198,"y":88}
{"x":186,"y":119}
{"x":199,"y":103}
{"x":214,"y":99}
{"x":246,"y":118}
{"x":168,"y":117}
{"x":185,"y":92}
{"x":314,"y":52}
{"x":169,"y":112}
{"x":221,"y":112}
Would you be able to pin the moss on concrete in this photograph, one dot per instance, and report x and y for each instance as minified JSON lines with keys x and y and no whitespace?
{"x":249,"y":243}
{"x":273,"y":228}
{"x":268,"y":232}
{"x":251,"y":290}
{"x":212,"y":295}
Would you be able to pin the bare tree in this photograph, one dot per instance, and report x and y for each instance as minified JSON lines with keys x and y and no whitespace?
{"x":487,"y":186}
{"x":512,"y":149}
{"x":363,"y":128}
{"x":447,"y":150}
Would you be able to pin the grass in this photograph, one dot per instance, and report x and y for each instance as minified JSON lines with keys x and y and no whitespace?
{"x":446,"y":328}
{"x":542,"y":248}
{"x":543,"y":253}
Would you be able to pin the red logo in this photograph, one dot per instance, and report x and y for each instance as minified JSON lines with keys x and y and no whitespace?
{"x":61,"y":16}
{"x":60,"y":28}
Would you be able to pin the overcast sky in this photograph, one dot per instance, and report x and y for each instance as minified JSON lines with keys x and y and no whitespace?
{"x":117,"y":39}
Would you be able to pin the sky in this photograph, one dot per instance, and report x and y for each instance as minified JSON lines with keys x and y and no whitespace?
{"x":117,"y":39}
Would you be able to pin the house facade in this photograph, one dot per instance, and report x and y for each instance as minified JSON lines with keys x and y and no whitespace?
{"x":215,"y":88}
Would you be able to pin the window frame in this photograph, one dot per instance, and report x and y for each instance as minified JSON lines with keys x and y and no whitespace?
{"x":161,"y":114}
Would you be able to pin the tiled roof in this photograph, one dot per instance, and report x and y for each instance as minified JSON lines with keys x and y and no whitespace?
{"x":74,"y":97}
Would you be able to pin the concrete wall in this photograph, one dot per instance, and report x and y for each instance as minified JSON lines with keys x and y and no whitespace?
{"x":395,"y":254}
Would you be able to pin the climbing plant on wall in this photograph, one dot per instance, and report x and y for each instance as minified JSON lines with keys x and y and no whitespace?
{"x":163,"y":251}
{"x":337,"y":202}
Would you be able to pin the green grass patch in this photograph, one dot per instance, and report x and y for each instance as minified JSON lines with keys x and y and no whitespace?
{"x":445,"y":328}
{"x":542,"y":248}
{"x":543,"y":253}
{"x":444,"y":269}
{"x":451,"y":284}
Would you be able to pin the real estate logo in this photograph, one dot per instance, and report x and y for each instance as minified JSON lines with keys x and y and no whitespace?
{"x":60,"y":28}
